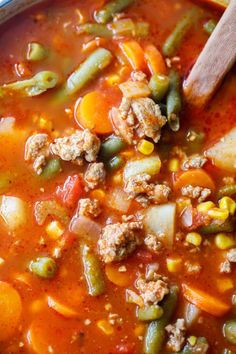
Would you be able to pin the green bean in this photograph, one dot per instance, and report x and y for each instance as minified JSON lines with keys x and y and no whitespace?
{"x":125,"y":27}
{"x":36,"y":52}
{"x":52,"y":168}
{"x":142,"y":29}
{"x":111,"y":147}
{"x":229,"y":331}
{"x":201,"y":346}
{"x":43,"y":267}
{"x":149,"y":313}
{"x":173,"y":101}
{"x":92,"y":272}
{"x":227,"y":226}
{"x":95,"y":63}
{"x":159,"y":86}
{"x":155,"y":334}
{"x":97,"y":29}
{"x":115,"y":163}
{"x":209,"y":26}
{"x":226,"y":191}
{"x":110,"y":9}
{"x":38,"y":84}
{"x":173,"y":42}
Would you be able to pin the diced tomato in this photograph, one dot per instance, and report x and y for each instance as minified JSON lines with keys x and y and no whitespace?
{"x":67,"y":240}
{"x":191,"y":219}
{"x":71,"y":191}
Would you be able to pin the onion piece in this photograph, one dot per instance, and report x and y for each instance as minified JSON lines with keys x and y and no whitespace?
{"x":45,"y":208}
{"x":160,"y":220}
{"x":14,"y":211}
{"x":85,"y":227}
{"x":118,"y":200}
{"x":191,"y":314}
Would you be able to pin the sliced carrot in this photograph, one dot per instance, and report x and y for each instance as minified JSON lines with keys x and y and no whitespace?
{"x":92,"y":112}
{"x":54,"y":331}
{"x":62,"y":309}
{"x":10,"y":310}
{"x":204,"y":301}
{"x":194,"y":177}
{"x":115,"y":276}
{"x":134,"y":53}
{"x":155,"y":60}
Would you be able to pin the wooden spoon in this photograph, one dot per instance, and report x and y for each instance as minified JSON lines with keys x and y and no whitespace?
{"x":216,"y":59}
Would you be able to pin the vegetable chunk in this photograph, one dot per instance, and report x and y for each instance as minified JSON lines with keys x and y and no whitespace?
{"x":223,"y":153}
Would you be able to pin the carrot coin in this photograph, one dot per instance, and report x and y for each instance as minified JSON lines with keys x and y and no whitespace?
{"x":93,"y":113}
{"x":10,"y":309}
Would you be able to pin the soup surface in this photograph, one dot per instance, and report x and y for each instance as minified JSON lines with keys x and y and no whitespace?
{"x":117,"y":199}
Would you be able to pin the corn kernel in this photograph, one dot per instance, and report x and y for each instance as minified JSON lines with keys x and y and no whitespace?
{"x":174,"y":264}
{"x":219,"y":214}
{"x":192,"y":340}
{"x":173,"y":165}
{"x":54,"y":230}
{"x":224,"y":284}
{"x":139,"y":330}
{"x":223,"y":241}
{"x":98,"y":194}
{"x":45,"y":124}
{"x":2,"y":261}
{"x":145,"y":147}
{"x":228,"y":203}
{"x":205,"y":207}
{"x":105,"y":327}
{"x":194,"y":238}
{"x":113,"y":79}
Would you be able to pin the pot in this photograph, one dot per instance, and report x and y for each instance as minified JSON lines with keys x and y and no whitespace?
{"x":9,"y":8}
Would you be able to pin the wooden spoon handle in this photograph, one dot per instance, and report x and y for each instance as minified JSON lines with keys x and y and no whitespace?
{"x":216,"y":59}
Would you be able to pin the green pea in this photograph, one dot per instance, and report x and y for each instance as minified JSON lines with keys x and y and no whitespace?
{"x":36,"y":52}
{"x":43,"y":267}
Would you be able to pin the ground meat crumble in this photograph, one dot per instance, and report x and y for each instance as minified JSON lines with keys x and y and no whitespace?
{"x":152,"y":242}
{"x":89,"y":207}
{"x":199,"y":193}
{"x":139,"y":115}
{"x":77,"y":146}
{"x":152,"y":288}
{"x":194,"y":161}
{"x":140,"y":188}
{"x":95,"y":174}
{"x":117,"y":241}
{"x":176,"y":334}
{"x":37,"y":151}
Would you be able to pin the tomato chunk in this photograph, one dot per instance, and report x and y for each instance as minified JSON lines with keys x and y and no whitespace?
{"x":71,"y":191}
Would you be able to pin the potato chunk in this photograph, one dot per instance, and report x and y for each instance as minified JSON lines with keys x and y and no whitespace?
{"x":223,"y":153}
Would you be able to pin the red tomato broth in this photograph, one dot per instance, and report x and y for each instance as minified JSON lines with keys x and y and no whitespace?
{"x":19,"y":248}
